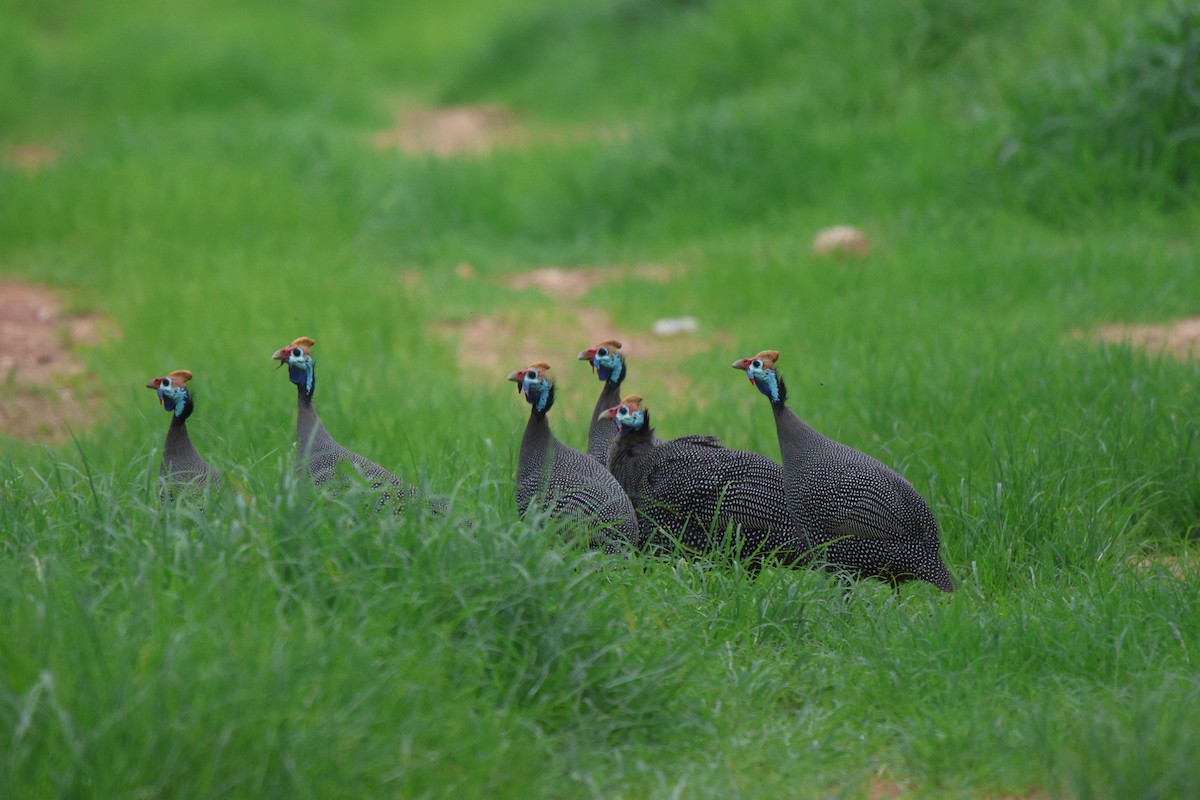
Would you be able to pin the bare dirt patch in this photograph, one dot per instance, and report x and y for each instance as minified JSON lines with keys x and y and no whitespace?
{"x":1180,"y":339}
{"x":452,"y":130}
{"x":30,"y":157}
{"x":502,"y":342}
{"x":1181,"y":567}
{"x":576,"y":281}
{"x":39,"y":365}
{"x":491,"y":346}
{"x":888,"y":789}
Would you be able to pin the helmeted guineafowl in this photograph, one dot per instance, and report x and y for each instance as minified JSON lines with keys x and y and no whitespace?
{"x":609,"y":366}
{"x":563,"y":481}
{"x":861,"y":516}
{"x":319,"y":454}
{"x":182,"y":467}
{"x":691,"y":490}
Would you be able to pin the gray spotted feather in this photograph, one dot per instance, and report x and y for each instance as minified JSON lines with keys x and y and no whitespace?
{"x":692,"y":491}
{"x":327,"y":463}
{"x":861,"y":516}
{"x":183,"y":470}
{"x":560,"y":481}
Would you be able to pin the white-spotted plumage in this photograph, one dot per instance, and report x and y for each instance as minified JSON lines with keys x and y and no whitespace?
{"x":861,"y":516}
{"x":692,"y":491}
{"x":182,"y":468}
{"x":321,"y":457}
{"x":561,"y":481}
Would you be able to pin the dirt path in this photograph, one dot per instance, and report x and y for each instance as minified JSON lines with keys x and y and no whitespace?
{"x":41,"y":386}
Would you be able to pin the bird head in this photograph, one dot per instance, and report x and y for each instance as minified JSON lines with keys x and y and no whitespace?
{"x":536,"y":382}
{"x":606,"y":360}
{"x":631,"y":415}
{"x":172,"y":390}
{"x":760,"y":369}
{"x":298,"y":357}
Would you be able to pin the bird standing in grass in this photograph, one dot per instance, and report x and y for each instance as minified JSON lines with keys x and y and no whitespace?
{"x":181,"y":466}
{"x":609,"y":364}
{"x":692,"y":491}
{"x":861,"y":516}
{"x":563,"y":481}
{"x":320,"y":455}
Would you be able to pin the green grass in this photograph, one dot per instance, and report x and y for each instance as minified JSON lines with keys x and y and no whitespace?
{"x":216,"y":195}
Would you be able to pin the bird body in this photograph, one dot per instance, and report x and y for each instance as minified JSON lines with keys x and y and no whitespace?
{"x":860,"y":515}
{"x":182,"y":466}
{"x":563,"y":482}
{"x":321,"y":457}
{"x":692,"y":490}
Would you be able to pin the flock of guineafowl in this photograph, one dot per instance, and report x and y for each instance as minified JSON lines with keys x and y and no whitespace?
{"x":828,"y":506}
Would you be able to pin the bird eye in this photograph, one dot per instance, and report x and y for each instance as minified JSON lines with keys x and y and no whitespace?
{"x":603,"y":351}
{"x":297,"y":352}
{"x":623,"y":410}
{"x":166,"y":381}
{"x":531,"y":374}
{"x":756,"y":363}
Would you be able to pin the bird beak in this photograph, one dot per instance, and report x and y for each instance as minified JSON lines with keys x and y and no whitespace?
{"x":608,"y":413}
{"x":154,"y":383}
{"x":280,"y":355}
{"x":587,"y":355}
{"x":517,"y":376}
{"x":741,"y":363}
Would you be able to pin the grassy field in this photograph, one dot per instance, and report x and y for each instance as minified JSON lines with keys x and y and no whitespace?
{"x":1025,"y":171}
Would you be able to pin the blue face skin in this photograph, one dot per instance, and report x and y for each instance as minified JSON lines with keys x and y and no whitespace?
{"x":173,"y":396}
{"x":764,"y":379}
{"x":300,"y":369}
{"x":629,"y":418}
{"x":536,"y":389}
{"x":609,"y":365}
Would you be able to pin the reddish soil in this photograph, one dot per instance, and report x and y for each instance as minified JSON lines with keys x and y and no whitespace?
{"x":1180,"y":339}
{"x":450,"y":131}
{"x":575,"y":282}
{"x":501,"y":342}
{"x":40,"y":370}
{"x":30,"y":157}
{"x":476,"y":130}
{"x":1179,"y":567}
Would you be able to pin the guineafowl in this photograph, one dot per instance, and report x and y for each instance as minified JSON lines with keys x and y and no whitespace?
{"x":691,"y":490}
{"x":181,"y":465}
{"x":319,"y":454}
{"x":861,"y":516}
{"x":609,"y":365}
{"x":563,"y":481}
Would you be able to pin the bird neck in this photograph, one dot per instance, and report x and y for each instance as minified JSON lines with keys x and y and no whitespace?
{"x":629,"y":445}
{"x":610,"y":395}
{"x":797,"y":439}
{"x":772,"y":386}
{"x":615,"y":375}
{"x":185,"y":410}
{"x":310,"y":431}
{"x":545,"y":402}
{"x":307,"y":388}
{"x":304,"y":396}
{"x":643,"y":433}
{"x":536,"y":442}
{"x":601,"y":432}
{"x":178,"y":444}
